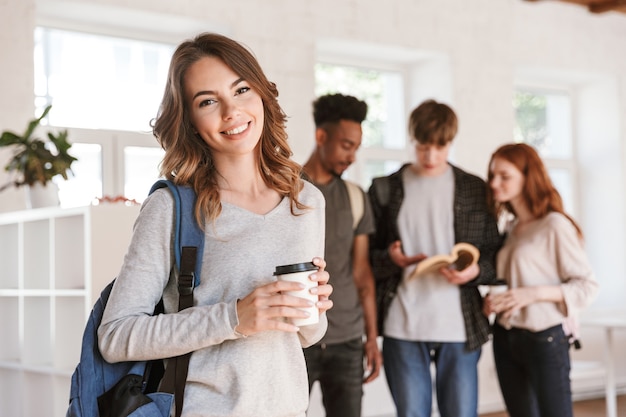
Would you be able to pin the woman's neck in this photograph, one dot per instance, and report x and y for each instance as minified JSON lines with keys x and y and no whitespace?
{"x":241,"y":184}
{"x":239,"y":174}
{"x":522,"y":212}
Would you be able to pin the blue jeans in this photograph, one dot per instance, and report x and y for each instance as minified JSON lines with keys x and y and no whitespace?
{"x":533,"y":371}
{"x":407,"y":367}
{"x":339,"y":370}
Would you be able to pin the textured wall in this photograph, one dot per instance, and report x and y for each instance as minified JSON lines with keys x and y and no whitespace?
{"x":486,"y":43}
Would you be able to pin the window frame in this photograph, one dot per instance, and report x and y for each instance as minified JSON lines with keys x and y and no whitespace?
{"x":111,"y":141}
{"x":414,"y":66}
{"x":357,"y":171}
{"x":570,"y":165}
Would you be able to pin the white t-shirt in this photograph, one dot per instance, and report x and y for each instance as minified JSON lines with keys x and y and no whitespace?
{"x":428,"y":308}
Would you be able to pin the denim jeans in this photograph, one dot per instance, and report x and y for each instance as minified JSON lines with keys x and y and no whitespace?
{"x":339,"y":370}
{"x":407,"y":367}
{"x":533,"y":371}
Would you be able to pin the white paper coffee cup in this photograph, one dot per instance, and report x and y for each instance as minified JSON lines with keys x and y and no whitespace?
{"x":498,"y":289}
{"x":300,"y":273}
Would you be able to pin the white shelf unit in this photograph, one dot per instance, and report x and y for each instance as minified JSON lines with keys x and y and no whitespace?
{"x":53,"y":264}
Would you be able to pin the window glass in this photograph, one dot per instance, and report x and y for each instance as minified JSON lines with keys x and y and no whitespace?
{"x":562,"y":180}
{"x":105,"y":90}
{"x":141,"y":170}
{"x":85,"y":184}
{"x":543,"y":120}
{"x":381,"y":90}
{"x":384,"y":128}
{"x":375,"y":168}
{"x":99,"y":82}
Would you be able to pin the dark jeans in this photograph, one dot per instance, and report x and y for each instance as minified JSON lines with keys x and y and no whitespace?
{"x":533,"y":371}
{"x":339,"y":370}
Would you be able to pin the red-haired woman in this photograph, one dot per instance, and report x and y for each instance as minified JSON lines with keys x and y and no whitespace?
{"x":549,"y":279}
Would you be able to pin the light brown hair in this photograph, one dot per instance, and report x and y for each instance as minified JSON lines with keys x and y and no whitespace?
{"x":433,"y":123}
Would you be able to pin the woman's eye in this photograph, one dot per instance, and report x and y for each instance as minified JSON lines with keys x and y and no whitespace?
{"x":207,"y":102}
{"x":242,"y":90}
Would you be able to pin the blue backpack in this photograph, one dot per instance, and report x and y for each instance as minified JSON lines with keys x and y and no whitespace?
{"x":95,"y":378}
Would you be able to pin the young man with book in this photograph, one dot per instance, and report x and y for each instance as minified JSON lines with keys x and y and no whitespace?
{"x":422,"y":210}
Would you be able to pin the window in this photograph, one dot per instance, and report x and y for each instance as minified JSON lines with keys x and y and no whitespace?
{"x":105,"y":90}
{"x":85,"y":184}
{"x":384,"y":137}
{"x":379,"y":89}
{"x":99,"y":82}
{"x":543,"y":119}
{"x":391,"y":79}
{"x":142,"y":168}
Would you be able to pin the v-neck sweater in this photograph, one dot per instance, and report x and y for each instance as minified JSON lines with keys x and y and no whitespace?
{"x":260,"y":375}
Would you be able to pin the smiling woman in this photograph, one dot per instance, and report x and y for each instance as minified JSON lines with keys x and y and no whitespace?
{"x":224,"y":136}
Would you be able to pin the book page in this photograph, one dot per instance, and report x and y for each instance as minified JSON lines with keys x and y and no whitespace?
{"x":462,"y":255}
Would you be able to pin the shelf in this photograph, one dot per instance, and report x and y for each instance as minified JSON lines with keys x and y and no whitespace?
{"x":54,"y":263}
{"x":36,"y":247}
{"x":70,"y":244}
{"x":8,"y":255}
{"x":42,"y":293}
{"x":42,"y":370}
{"x":37,"y":346}
{"x":10,"y":326}
{"x":67,"y":340}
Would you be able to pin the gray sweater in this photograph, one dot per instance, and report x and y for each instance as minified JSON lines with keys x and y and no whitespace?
{"x":229,"y":375}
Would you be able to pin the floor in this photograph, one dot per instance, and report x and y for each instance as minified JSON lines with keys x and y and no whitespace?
{"x":587,"y":408}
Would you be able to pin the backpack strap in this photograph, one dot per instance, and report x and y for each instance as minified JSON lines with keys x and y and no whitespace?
{"x":381,"y":187}
{"x":187,"y":231}
{"x":357,"y":203}
{"x":188,"y":249}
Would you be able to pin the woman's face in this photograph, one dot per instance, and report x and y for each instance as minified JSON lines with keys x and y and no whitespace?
{"x":223,"y":108}
{"x":507,"y":182}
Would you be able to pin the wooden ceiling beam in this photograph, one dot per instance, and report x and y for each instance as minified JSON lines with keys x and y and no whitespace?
{"x":597,"y":6}
{"x":605,"y":6}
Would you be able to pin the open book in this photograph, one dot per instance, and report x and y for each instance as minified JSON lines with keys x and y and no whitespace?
{"x":462,"y":255}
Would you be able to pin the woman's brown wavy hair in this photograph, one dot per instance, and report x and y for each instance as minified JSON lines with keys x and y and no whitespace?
{"x":188,"y":159}
{"x":538,"y":192}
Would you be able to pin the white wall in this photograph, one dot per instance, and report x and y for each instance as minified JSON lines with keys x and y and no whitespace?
{"x":482,"y":46}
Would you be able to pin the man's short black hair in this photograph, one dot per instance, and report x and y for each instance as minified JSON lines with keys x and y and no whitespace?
{"x":331,"y":108}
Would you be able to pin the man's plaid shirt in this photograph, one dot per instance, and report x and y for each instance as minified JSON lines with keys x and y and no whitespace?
{"x":473,"y":223}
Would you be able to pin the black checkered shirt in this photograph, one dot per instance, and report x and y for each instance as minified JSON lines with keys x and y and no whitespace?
{"x":473,"y":223}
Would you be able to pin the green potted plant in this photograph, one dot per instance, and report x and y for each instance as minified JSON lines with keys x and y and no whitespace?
{"x":36,"y":161}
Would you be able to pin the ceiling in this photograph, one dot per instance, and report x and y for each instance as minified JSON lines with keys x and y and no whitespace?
{"x":597,"y":6}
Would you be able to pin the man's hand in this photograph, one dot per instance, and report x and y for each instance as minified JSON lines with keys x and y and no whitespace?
{"x":460,"y":277}
{"x":399,"y":258}
{"x":374,"y":360}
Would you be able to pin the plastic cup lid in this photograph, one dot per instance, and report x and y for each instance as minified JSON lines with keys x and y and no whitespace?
{"x":290,"y":269}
